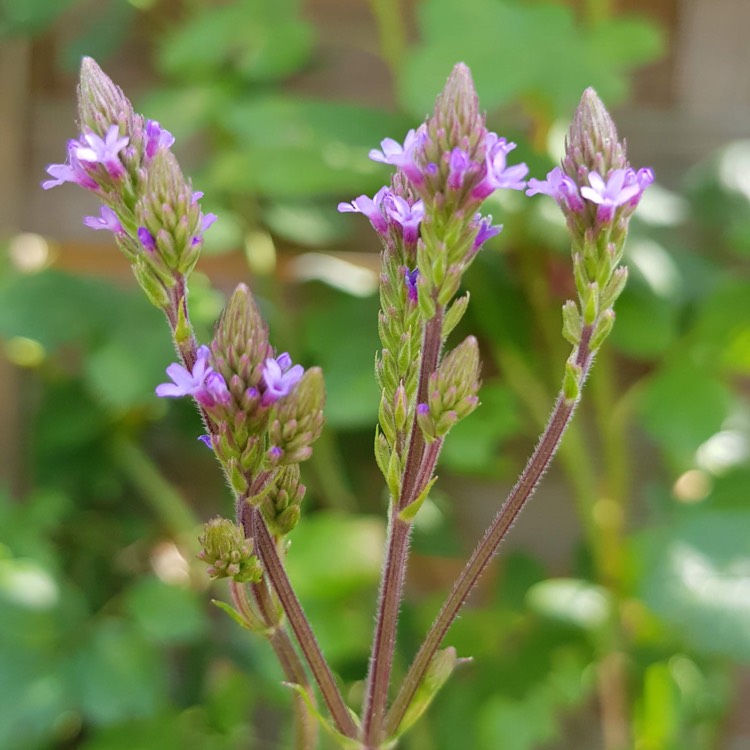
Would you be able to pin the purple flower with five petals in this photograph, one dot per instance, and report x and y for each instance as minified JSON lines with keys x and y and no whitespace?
{"x":409,"y":217}
{"x":371,"y":208}
{"x":560,"y":187}
{"x":72,"y":171}
{"x":498,"y":174}
{"x":280,"y":377}
{"x":95,"y":150}
{"x":392,"y":152}
{"x":622,"y":186}
{"x":203,"y":383}
{"x":458,"y":164}
{"x":156,"y":137}
{"x":106,"y":220}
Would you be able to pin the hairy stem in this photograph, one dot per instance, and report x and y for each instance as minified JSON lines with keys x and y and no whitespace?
{"x":306,"y":728}
{"x":487,"y":547}
{"x":308,"y":644}
{"x":394,"y":567}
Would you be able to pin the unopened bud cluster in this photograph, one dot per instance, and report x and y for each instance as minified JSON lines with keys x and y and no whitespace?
{"x":147,"y":203}
{"x":597,"y":191}
{"x":228,"y":553}
{"x":452,"y":391}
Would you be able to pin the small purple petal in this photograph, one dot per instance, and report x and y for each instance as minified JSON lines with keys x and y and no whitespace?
{"x":371,"y":208}
{"x":95,"y":150}
{"x":156,"y":138}
{"x":106,"y":220}
{"x":403,"y":157}
{"x":279,"y":377}
{"x":486,"y":230}
{"x":498,"y":175}
{"x":204,"y":384}
{"x":206,"y":440}
{"x":408,"y":217}
{"x":410,"y":278}
{"x":147,"y":239}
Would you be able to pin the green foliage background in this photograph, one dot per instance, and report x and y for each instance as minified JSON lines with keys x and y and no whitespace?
{"x":107,"y":636}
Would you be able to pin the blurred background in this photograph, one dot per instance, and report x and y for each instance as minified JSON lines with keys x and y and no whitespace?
{"x":618,"y":613}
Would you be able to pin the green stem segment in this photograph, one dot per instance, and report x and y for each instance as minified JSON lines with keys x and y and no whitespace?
{"x":415,"y":476}
{"x":524,"y":488}
{"x":277,"y":575}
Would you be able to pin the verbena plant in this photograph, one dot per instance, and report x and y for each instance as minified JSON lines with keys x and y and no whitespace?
{"x":262,"y":414}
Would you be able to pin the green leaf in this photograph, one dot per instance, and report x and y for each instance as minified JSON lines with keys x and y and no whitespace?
{"x":333,"y":556}
{"x":494,"y":35}
{"x":694,"y":575}
{"x":292,"y":148}
{"x":165,"y":613}
{"x":472,"y":447}
{"x":341,"y":334}
{"x":681,"y":407}
{"x":261,"y":40}
{"x":120,"y":674}
{"x":722,"y":330}
{"x":645,"y":323}
{"x":29,"y":17}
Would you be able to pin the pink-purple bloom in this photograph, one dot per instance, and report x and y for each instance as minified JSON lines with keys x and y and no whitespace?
{"x":498,"y":174}
{"x":72,"y":171}
{"x":410,"y":279}
{"x":403,"y":157}
{"x":486,"y":230}
{"x":560,"y":187}
{"x":105,"y":151}
{"x":459,"y":163}
{"x":147,"y":239}
{"x":107,"y":219}
{"x":156,"y":137}
{"x":279,"y":376}
{"x":407,"y":216}
{"x":371,"y":208}
{"x":622,"y":186}
{"x":203,"y":383}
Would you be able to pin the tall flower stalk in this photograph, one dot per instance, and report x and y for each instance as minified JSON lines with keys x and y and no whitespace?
{"x":262,"y":413}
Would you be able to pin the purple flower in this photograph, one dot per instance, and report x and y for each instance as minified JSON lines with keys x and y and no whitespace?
{"x":410,"y":278}
{"x":95,"y":150}
{"x":409,"y":217}
{"x":206,"y":440}
{"x":72,"y":171}
{"x":458,"y":164}
{"x":206,"y":221}
{"x":371,"y":208}
{"x":106,"y":220}
{"x":622,"y":186}
{"x":156,"y":137}
{"x":486,"y":230}
{"x":203,"y":383}
{"x":280,"y":377}
{"x":560,"y":187}
{"x":147,"y":239}
{"x":498,"y":174}
{"x":392,"y":152}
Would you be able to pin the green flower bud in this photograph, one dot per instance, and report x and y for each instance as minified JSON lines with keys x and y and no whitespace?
{"x":281,"y":505}
{"x":452,"y":390}
{"x":592,"y":143}
{"x":170,"y":214}
{"x":297,"y":420}
{"x":228,"y":553}
{"x":240,"y":347}
{"x":100,"y":102}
